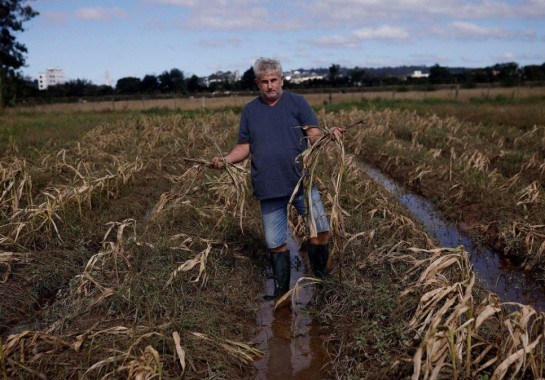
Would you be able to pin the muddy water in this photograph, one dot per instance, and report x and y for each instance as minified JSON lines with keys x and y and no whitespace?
{"x":288,"y":336}
{"x":496,"y":273}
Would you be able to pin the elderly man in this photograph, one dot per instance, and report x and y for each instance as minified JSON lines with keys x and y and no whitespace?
{"x":270,"y":130}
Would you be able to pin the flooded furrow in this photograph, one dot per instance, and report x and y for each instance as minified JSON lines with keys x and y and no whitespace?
{"x":288,"y":336}
{"x":496,"y":273}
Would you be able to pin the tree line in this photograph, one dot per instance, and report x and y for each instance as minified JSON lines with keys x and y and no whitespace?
{"x":174,"y":81}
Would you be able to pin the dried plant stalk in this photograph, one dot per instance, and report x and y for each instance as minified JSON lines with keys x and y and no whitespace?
{"x":241,"y":351}
{"x":309,"y":159}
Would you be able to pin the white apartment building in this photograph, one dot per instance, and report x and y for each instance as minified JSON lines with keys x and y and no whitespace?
{"x":419,"y":74}
{"x":50,"y":77}
{"x":300,"y":77}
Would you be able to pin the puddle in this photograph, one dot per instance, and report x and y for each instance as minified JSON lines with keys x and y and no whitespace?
{"x":288,"y":336}
{"x":494,"y":272}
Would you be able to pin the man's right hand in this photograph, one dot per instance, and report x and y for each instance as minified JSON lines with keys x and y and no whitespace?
{"x":239,"y":153}
{"x":217,"y":163}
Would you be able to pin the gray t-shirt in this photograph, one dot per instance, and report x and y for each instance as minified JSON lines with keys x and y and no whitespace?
{"x":276,"y":139}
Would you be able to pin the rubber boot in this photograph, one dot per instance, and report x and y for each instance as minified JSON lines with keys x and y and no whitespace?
{"x":318,"y":256}
{"x":281,"y":267}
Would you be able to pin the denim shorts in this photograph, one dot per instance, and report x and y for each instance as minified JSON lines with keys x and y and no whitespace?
{"x":274,"y":213}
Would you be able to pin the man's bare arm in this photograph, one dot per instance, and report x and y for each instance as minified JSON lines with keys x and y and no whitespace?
{"x":238,"y":154}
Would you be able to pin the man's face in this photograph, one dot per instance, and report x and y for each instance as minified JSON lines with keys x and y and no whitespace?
{"x":270,"y":85}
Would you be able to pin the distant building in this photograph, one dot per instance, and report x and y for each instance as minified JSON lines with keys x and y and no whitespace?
{"x":221,"y":77}
{"x":50,"y":77}
{"x":419,"y":74}
{"x":300,"y":77}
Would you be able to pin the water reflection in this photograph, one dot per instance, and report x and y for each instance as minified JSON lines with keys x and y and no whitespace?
{"x":496,"y":273}
{"x":288,"y":336}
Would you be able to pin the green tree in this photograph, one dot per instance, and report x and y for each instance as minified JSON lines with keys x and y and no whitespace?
{"x":128,"y":85}
{"x":356,"y":76}
{"x":178,"y":80}
{"x":440,"y":75}
{"x":165,"y":82}
{"x":334,"y":71}
{"x":478,"y":75}
{"x":193,"y":84}
{"x":172,"y":81}
{"x":150,"y":83}
{"x":534,"y":72}
{"x":247,"y":81}
{"x":507,"y":73}
{"x":13,"y":13}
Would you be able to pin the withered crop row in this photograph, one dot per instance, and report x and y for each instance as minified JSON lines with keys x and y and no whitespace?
{"x":489,"y":178}
{"x":173,"y":291}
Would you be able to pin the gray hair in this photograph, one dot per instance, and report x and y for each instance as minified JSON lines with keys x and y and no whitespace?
{"x":267,"y":65}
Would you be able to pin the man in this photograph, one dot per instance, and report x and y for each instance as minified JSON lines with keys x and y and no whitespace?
{"x":271,"y":130}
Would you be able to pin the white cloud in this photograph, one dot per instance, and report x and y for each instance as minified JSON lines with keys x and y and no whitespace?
{"x":435,"y":58}
{"x":284,"y":15}
{"x":336,"y":41}
{"x":182,"y":3}
{"x":482,"y":9}
{"x":351,"y":13}
{"x":228,"y":19}
{"x":469,"y":30}
{"x":531,"y":8}
{"x":237,"y":14}
{"x":219,"y":43}
{"x":385,"y":32}
{"x":209,"y":4}
{"x":100,"y":13}
{"x":356,"y":37}
{"x":505,"y":57}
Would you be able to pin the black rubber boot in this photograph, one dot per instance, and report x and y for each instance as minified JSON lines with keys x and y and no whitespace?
{"x":318,"y":256}
{"x":281,"y":266}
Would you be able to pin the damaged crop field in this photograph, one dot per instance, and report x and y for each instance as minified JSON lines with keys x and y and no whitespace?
{"x":124,"y":256}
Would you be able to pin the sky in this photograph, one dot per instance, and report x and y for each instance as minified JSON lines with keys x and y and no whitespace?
{"x":93,"y":40}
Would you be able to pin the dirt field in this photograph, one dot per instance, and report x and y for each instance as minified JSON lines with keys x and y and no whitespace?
{"x":122,"y":259}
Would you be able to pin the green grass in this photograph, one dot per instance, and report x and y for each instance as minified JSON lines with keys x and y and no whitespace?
{"x":31,"y":132}
{"x":520,"y":112}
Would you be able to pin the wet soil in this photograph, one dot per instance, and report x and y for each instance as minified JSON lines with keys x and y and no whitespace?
{"x":32,"y":285}
{"x":289,"y":336}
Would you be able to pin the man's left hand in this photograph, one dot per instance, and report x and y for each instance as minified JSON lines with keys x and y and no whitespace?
{"x":337,"y":133}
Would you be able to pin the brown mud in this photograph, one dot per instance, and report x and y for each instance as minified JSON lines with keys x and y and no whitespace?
{"x":289,"y":336}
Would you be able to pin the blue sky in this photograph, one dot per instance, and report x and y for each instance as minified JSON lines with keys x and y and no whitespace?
{"x":139,"y":37}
